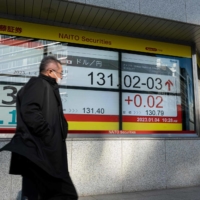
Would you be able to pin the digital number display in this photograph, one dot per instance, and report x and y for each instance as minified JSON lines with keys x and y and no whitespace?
{"x":8,"y":117}
{"x":7,"y":104}
{"x":89,"y":77}
{"x":149,"y":82}
{"x":145,"y":73}
{"x":89,"y":102}
{"x":149,"y":105}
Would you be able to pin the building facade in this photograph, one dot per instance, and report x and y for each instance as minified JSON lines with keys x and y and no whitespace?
{"x":130,"y":90}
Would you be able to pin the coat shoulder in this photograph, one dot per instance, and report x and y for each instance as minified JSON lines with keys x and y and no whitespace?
{"x":35,"y":83}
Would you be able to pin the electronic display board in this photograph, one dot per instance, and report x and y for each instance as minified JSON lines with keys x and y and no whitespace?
{"x":91,"y":110}
{"x":151,"y":93}
{"x":88,"y":67}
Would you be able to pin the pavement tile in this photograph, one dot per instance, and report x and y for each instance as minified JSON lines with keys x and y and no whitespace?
{"x":170,"y":191}
{"x":187,"y":196}
{"x":159,"y":192}
{"x":190,"y":193}
{"x":108,"y":197}
{"x":127,"y":196}
{"x":160,"y":197}
{"x":154,"y":192}
{"x":182,"y":190}
{"x":192,"y":189}
{"x":86,"y":198}
{"x":123,"y":196}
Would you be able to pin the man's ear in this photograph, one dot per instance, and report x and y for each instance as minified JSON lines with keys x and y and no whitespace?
{"x":48,"y":72}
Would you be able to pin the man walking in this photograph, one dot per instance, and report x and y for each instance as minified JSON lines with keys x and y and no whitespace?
{"x":38,"y":147}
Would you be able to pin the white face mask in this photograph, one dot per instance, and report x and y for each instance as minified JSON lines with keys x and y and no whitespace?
{"x":58,"y":80}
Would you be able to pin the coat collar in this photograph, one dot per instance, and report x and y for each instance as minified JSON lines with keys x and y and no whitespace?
{"x":52,"y":81}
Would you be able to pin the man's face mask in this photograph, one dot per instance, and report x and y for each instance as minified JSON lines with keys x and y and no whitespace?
{"x":58,"y":80}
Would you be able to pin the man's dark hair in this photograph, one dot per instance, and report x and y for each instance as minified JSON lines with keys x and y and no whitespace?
{"x":45,"y":62}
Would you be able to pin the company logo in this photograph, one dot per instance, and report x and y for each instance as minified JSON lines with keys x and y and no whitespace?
{"x":151,"y":49}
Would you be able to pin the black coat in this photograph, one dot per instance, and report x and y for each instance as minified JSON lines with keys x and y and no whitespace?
{"x":41,"y":128}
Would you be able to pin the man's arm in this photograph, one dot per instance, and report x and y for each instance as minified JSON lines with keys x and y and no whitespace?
{"x":31,"y":108}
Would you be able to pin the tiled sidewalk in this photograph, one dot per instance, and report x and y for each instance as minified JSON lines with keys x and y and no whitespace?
{"x":189,"y":193}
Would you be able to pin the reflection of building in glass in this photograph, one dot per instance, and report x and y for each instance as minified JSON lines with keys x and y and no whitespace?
{"x":186,"y":101}
{"x":20,"y":57}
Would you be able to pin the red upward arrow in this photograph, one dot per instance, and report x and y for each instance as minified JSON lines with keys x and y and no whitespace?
{"x":169,"y":83}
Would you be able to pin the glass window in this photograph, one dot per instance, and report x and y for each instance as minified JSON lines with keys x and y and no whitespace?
{"x":145,"y":93}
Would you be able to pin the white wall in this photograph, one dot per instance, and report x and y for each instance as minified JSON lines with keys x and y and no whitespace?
{"x":102,"y":166}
